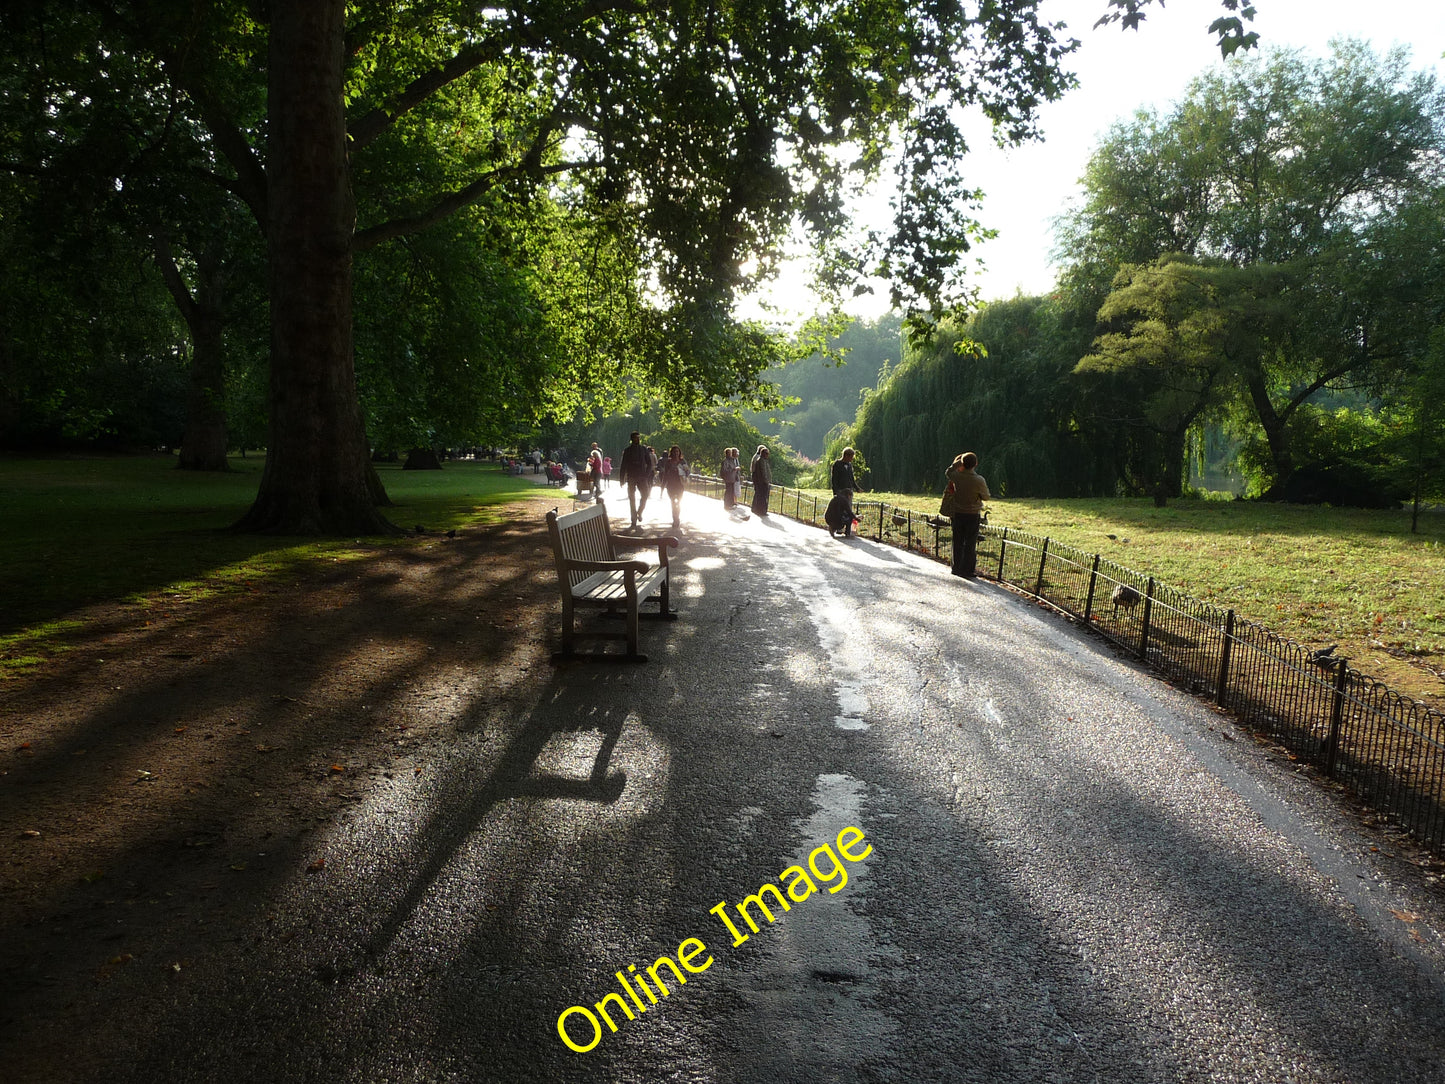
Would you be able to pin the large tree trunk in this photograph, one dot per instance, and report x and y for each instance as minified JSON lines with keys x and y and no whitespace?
{"x":1172,"y":467}
{"x":1275,"y":426}
{"x":205,"y":443}
{"x":317,"y":478}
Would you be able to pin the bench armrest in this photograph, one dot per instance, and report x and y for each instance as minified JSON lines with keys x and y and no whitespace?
{"x":663,"y":542}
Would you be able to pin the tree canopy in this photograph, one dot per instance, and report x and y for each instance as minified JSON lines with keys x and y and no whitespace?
{"x":686,"y":139}
{"x":998,"y":384}
{"x":566,"y":196}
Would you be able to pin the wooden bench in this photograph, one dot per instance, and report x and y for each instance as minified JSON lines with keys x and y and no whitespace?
{"x":590,"y":575}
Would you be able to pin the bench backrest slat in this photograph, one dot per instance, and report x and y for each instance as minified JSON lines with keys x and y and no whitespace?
{"x":580,"y":536}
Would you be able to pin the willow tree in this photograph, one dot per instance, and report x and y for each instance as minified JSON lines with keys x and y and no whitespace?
{"x":998,"y":384}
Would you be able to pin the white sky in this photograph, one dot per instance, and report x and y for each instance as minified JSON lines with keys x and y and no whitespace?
{"x":1120,"y":71}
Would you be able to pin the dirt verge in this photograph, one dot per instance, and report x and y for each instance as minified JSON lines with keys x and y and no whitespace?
{"x":180,"y":761}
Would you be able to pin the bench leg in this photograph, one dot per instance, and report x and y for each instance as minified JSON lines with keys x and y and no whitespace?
{"x":568,"y":615}
{"x":633,"y":632}
{"x":569,"y":653}
{"x":665,"y":610}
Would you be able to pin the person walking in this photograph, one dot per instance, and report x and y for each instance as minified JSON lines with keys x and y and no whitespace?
{"x":654,"y":461}
{"x":594,"y":469}
{"x":675,"y":473}
{"x":963,"y":504}
{"x":839,"y":516}
{"x":636,"y":467}
{"x":731,"y":472}
{"x":762,"y":475}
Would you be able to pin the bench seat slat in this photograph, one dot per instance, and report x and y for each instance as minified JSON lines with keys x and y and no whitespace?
{"x":608,"y":588}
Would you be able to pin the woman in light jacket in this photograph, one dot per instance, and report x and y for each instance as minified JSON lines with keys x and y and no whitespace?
{"x":762,"y":473}
{"x":674,"y":475}
{"x":731,"y":473}
{"x":969,"y":493}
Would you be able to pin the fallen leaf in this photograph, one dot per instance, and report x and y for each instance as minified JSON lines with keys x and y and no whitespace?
{"x":182,"y":729}
{"x":30,"y":833}
{"x":317,"y":866}
{"x":1405,"y":916}
{"x":337,"y":768}
{"x":265,"y":748}
{"x":239,"y":866}
{"x":123,"y":958}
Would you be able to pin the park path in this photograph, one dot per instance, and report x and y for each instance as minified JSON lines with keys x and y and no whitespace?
{"x":1076,"y":873}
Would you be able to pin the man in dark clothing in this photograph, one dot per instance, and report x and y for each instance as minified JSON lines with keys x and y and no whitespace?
{"x":636,"y":469}
{"x":844,"y":485}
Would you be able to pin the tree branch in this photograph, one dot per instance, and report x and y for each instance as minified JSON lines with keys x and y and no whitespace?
{"x":368,"y":128}
{"x":530,"y":167}
{"x":451,"y":204}
{"x":250,"y":185}
{"x":1297,"y":400}
{"x":166,"y":262}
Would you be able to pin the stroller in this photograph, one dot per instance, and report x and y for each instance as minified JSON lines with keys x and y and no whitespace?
{"x":839,"y":515}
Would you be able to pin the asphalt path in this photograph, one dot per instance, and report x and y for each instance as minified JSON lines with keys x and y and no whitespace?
{"x":1076,"y":872}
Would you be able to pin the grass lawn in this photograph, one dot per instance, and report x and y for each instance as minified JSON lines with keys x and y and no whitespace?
{"x":134,"y":529}
{"x":1314,"y":574}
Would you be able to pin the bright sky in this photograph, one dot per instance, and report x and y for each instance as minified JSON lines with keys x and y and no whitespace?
{"x":1119,"y":72}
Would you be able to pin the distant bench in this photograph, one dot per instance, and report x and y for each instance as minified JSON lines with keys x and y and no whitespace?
{"x":589,"y":574}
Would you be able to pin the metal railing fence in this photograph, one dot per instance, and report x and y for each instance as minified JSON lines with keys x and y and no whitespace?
{"x":1386,"y":748}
